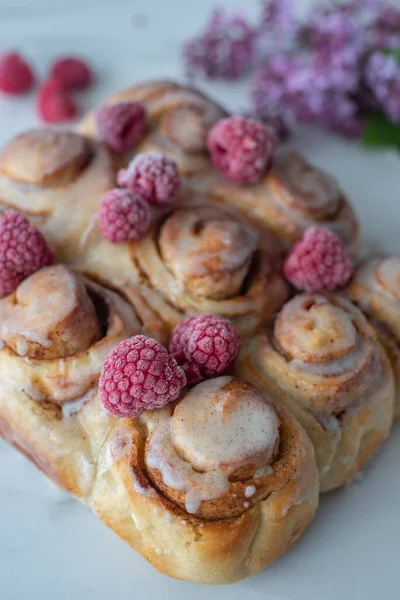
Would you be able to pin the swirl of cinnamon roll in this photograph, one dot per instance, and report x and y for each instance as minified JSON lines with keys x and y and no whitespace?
{"x":225,"y":465}
{"x":293,"y":196}
{"x":55,"y":331}
{"x":322,"y":360}
{"x":200,"y":259}
{"x":376,"y":290}
{"x":179,"y":119}
{"x":57,"y":179}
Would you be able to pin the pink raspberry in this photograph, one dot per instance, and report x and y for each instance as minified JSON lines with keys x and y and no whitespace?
{"x":121,"y":126}
{"x":152,"y":175}
{"x":16,"y":76}
{"x":54,"y":104}
{"x":23,"y":250}
{"x":123,"y":216}
{"x":73,"y":73}
{"x":241,"y":148}
{"x":137,"y":375}
{"x":205,"y":345}
{"x":318,"y":262}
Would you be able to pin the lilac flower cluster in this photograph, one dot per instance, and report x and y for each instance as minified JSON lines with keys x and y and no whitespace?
{"x":224,"y":50}
{"x":330,"y":69}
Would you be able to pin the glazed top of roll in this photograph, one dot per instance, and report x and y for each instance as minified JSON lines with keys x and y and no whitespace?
{"x":321,"y":350}
{"x":179,"y":120}
{"x":222,"y":448}
{"x":56,"y":330}
{"x":376,"y":289}
{"x":57,"y":179}
{"x":204,"y":259}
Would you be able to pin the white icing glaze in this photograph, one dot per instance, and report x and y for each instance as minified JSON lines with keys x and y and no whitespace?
{"x":250,"y":491}
{"x":216,"y":430}
{"x":69,"y":409}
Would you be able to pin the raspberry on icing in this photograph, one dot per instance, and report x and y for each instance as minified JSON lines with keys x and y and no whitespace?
{"x":54,"y":104}
{"x":318,"y":262}
{"x":123,"y":216}
{"x":241,"y":148}
{"x":121,"y":126}
{"x":23,"y":250}
{"x":16,"y":76}
{"x":139,"y":374}
{"x":152,"y":175}
{"x":73,"y":73}
{"x":205,"y":345}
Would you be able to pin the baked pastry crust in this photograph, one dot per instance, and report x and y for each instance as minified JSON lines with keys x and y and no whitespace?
{"x":255,"y":518}
{"x":49,"y":406}
{"x":375,"y":288}
{"x":322,"y":360}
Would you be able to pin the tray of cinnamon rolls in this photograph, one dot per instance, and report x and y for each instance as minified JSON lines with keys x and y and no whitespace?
{"x":189,"y":342}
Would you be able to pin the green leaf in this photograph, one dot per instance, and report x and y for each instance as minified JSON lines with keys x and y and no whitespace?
{"x":378,"y":131}
{"x":393,"y":52}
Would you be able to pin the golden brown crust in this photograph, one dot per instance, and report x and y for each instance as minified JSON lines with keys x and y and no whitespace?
{"x":322,"y":360}
{"x":376,"y":289}
{"x":179,"y":119}
{"x":292,"y":196}
{"x":49,"y":405}
{"x":201,"y":259}
{"x":223,"y":547}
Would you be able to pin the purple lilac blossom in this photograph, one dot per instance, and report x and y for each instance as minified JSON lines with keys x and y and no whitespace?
{"x":225,"y":49}
{"x":382,"y":73}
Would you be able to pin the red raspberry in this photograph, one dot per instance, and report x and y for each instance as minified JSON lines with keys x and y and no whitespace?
{"x":137,"y":375}
{"x":152,"y":175}
{"x":318,"y":262}
{"x":23,"y":250}
{"x":123,"y":216}
{"x":16,"y":76}
{"x":72,"y":73}
{"x":205,"y":345}
{"x":241,"y":148}
{"x":54,"y":104}
{"x":121,"y":126}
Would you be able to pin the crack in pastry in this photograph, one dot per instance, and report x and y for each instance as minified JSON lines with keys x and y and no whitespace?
{"x":179,"y":119}
{"x":56,"y":330}
{"x":293,"y":196}
{"x":322,"y":360}
{"x":200,"y":259}
{"x":59,"y":187}
{"x":376,"y":290}
{"x":224,"y":472}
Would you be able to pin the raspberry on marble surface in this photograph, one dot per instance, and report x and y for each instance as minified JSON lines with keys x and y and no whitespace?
{"x":16,"y":75}
{"x":72,"y":72}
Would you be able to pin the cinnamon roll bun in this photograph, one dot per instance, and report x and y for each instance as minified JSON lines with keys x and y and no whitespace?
{"x":322,"y":360}
{"x":179,"y":119}
{"x":57,"y":180}
{"x":211,"y":489}
{"x":55,"y":331}
{"x":201,"y":259}
{"x":293,"y":196}
{"x":376,"y":290}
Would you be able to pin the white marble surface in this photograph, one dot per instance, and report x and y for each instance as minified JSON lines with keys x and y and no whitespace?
{"x":50,"y":546}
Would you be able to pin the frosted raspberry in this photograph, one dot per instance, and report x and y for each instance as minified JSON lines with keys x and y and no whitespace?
{"x":152,"y":175}
{"x":205,"y":345}
{"x":241,"y":148}
{"x":16,"y":76}
{"x":72,"y":73}
{"x":23,"y":250}
{"x":123,"y":216}
{"x":318,"y":262}
{"x":54,"y":104}
{"x":121,"y":126}
{"x":137,"y":375}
